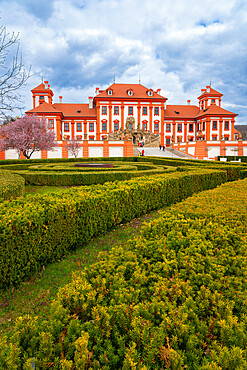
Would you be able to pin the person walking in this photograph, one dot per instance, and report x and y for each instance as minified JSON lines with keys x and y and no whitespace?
{"x":164,"y":148}
{"x":142,"y":152}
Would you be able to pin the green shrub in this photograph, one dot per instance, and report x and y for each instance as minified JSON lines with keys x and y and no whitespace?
{"x":11,"y":185}
{"x":40,"y":229}
{"x":174,"y":297}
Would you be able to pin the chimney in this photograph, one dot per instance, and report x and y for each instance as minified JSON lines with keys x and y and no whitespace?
{"x":208,"y":89}
{"x":46,"y":84}
{"x":97,"y":90}
{"x":90,"y":102}
{"x":60,"y":99}
{"x":188,"y":102}
{"x":158,"y":91}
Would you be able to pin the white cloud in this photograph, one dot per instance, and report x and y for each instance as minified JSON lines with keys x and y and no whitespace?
{"x":176,"y":45}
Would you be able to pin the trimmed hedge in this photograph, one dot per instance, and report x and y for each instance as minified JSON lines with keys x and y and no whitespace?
{"x":234,"y":158}
{"x":174,"y":297}
{"x":40,"y":229}
{"x":73,"y":178}
{"x":11,"y":185}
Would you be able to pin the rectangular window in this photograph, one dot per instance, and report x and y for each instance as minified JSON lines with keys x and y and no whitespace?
{"x":214,"y":137}
{"x":144,"y":111}
{"x":78,"y":137}
{"x":91,"y":138}
{"x":168,"y":140}
{"x":215,"y":125}
{"x":168,"y":127}
{"x":50,"y":123}
{"x":78,"y":126}
{"x":227,"y":138}
{"x":226,"y":125}
{"x":191,"y":127}
{"x":41,"y":97}
{"x":115,"y":126}
{"x":180,"y":127}
{"x":130,"y":111}
{"x":131,"y":126}
{"x":104,"y":126}
{"x":156,"y":127}
{"x":91,"y":126}
{"x":103,"y":110}
{"x":213,"y":100}
{"x":116,"y":110}
{"x":144,"y":127}
{"x":66,"y":126}
{"x":156,"y":111}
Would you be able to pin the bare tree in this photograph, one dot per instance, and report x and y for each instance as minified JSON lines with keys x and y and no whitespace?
{"x":73,"y":147}
{"x":13,"y":75}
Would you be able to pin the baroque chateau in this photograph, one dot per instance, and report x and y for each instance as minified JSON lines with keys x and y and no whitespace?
{"x":126,"y":114}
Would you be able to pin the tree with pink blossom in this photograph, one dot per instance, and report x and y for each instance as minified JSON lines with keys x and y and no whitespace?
{"x":27,"y":134}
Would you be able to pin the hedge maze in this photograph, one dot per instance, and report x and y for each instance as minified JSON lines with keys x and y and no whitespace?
{"x":174,"y":297}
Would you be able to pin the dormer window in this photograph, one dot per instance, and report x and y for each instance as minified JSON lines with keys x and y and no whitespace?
{"x":130,"y":92}
{"x":109,"y":92}
{"x":150,"y":93}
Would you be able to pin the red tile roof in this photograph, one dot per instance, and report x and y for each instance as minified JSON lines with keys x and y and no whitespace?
{"x":40,"y":88}
{"x":69,"y":110}
{"x":44,"y":108}
{"x":214,"y":110}
{"x":183,"y":111}
{"x":139,"y":92}
{"x":211,"y":93}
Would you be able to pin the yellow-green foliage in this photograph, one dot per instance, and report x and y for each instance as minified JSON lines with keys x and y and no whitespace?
{"x":172,"y":298}
{"x":11,"y":185}
{"x":37,"y":230}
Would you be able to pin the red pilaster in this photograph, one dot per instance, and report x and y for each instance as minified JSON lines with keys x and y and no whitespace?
{"x":110,"y":117}
{"x":122,"y":115}
{"x":174,"y":130}
{"x":185,"y":130}
{"x":220,"y":128}
{"x":162,"y":138}
{"x":73,"y":129}
{"x":208,"y":129}
{"x":232,"y":129}
{"x":150,"y":117}
{"x":98,"y":122}
{"x":59,"y":128}
{"x":43,"y":154}
{"x":105,"y":148}
{"x":85,"y":129}
{"x":85,"y":148}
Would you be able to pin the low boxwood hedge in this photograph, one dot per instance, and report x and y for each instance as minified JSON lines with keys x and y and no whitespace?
{"x":40,"y":229}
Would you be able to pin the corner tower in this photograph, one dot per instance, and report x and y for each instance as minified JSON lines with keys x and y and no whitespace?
{"x":209,"y":97}
{"x":41,"y":94}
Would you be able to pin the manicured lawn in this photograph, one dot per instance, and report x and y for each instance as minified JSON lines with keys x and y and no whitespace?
{"x":32,"y":189}
{"x":33,"y":297}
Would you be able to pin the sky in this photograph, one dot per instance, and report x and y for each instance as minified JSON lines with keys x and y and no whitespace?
{"x":176,"y":45}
